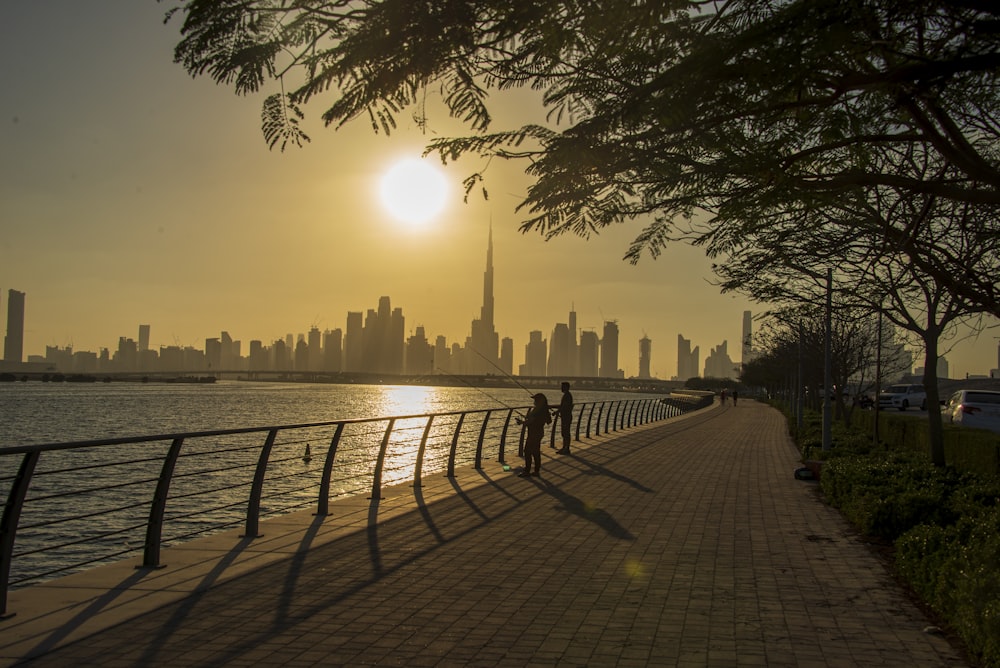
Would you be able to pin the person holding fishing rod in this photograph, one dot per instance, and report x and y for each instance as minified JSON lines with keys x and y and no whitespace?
{"x":534,"y":423}
{"x":565,"y":411}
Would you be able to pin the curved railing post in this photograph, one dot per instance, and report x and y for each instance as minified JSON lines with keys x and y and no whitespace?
{"x":323,"y":502}
{"x":253,"y":507}
{"x":418,"y":467}
{"x":454,"y":446}
{"x":590,"y":417}
{"x":479,"y":444}
{"x":380,"y":462}
{"x":154,"y":527}
{"x":8,"y":524}
{"x":579,"y":420}
{"x":555,"y":428}
{"x":607,"y":418}
{"x":503,"y":435}
{"x":600,"y":414}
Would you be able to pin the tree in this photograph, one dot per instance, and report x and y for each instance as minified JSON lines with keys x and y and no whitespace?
{"x":669,"y":108}
{"x":797,"y":333}
{"x":878,"y":239}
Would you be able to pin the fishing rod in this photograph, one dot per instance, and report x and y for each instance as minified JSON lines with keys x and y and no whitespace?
{"x":478,"y":389}
{"x":497,"y":367}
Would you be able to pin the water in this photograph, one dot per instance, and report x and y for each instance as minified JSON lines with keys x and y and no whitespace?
{"x":36,"y":412}
{"x":101,"y":496}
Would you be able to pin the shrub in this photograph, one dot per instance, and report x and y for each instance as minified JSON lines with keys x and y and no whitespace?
{"x":956,"y":569}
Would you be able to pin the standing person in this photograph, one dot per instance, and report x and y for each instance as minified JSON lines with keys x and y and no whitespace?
{"x":736,"y":396}
{"x":565,"y":417}
{"x":723,"y":395}
{"x":535,"y":422}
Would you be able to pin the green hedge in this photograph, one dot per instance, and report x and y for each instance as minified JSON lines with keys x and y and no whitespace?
{"x":943,"y":521}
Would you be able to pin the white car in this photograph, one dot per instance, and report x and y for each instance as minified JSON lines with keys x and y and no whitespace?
{"x":902,"y":397}
{"x":979,"y":409}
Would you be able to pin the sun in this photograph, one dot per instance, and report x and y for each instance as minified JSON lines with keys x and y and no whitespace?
{"x":413,"y":191}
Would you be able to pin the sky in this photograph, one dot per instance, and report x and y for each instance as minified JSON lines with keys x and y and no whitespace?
{"x":132,"y":193}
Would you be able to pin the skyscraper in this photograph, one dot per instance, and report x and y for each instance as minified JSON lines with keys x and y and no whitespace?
{"x":590,"y":347}
{"x":687,"y":359}
{"x":645,"y":353}
{"x":609,"y":351}
{"x":484,"y":340}
{"x":13,"y":342}
{"x":143,"y":338}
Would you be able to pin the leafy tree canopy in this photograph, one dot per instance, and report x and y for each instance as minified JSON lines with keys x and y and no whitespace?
{"x":741,"y":112}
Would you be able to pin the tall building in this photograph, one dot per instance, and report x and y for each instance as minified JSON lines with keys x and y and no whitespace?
{"x":609,"y":351}
{"x":561,"y":352}
{"x":564,"y":353}
{"x":354,"y":342}
{"x":645,"y":353}
{"x":143,"y":338}
{"x":718,"y":363}
{"x":590,"y":347}
{"x":507,"y":355}
{"x":333,"y":350}
{"x":687,"y":359}
{"x":534,"y":355}
{"x":315,"y":343}
{"x":13,"y":342}
{"x":484,"y":340}
{"x":419,"y":354}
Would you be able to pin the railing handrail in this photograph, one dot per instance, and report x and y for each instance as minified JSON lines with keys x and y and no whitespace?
{"x":125,"y":440}
{"x":620,"y":414}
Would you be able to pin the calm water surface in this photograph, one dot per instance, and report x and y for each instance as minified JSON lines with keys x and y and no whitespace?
{"x":87,"y":506}
{"x":36,"y":412}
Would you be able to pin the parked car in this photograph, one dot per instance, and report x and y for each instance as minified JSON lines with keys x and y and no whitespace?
{"x":979,"y":409}
{"x":903,"y":396}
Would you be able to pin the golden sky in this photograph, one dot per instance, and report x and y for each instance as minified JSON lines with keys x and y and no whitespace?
{"x":131,"y":193}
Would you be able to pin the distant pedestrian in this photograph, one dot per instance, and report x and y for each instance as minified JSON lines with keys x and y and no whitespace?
{"x":534,"y":423}
{"x":723,"y":397}
{"x":736,"y":395}
{"x":565,"y":418}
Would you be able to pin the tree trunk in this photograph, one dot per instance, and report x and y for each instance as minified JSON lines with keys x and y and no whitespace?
{"x":935,"y":428}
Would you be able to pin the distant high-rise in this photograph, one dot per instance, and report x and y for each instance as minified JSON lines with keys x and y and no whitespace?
{"x":534,"y":355}
{"x":687,"y":359}
{"x":13,"y":342}
{"x":718,"y":363}
{"x":560,"y":352}
{"x":419,"y":354}
{"x":590,"y":347}
{"x":315,"y":343}
{"x":484,"y":339}
{"x":609,"y":351}
{"x":645,"y":353}
{"x":564,"y":353}
{"x":333,"y":350}
{"x":143,"y":338}
{"x":354,"y":342}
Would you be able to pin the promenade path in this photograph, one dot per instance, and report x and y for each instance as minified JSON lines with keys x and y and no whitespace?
{"x":684,"y":543}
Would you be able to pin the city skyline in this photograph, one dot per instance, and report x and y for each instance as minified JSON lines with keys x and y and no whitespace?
{"x":157,"y":201}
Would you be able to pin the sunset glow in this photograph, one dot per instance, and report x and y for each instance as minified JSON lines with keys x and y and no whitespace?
{"x":413,"y":191}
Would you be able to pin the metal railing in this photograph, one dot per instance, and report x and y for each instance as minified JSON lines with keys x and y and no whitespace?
{"x":76,"y":505}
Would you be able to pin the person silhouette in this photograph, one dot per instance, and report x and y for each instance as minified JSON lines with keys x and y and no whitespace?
{"x":534,"y":423}
{"x":565,"y":411}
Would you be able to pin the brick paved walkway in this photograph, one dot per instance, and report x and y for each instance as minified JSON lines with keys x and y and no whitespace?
{"x":687,"y":543}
